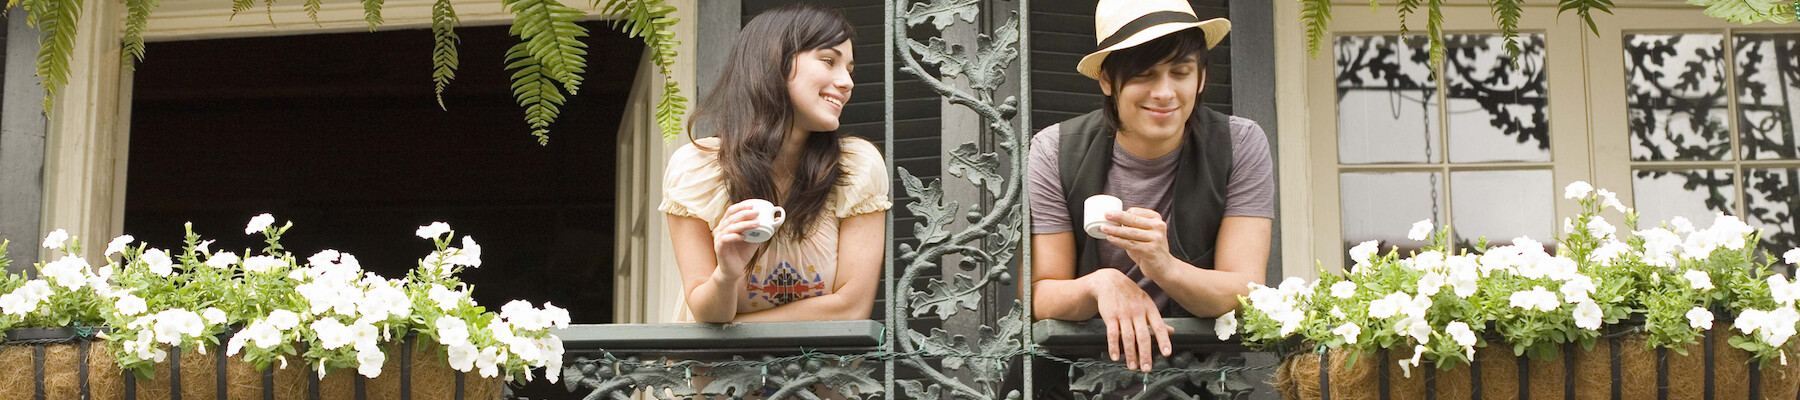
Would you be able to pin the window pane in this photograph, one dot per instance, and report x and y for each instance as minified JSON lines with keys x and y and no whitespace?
{"x":1502,"y":205}
{"x":1768,"y":93}
{"x":1774,"y":200}
{"x":1695,"y":194}
{"x":1498,"y":109}
{"x":1384,"y":205}
{"x":1675,"y":96}
{"x":1387,"y":101}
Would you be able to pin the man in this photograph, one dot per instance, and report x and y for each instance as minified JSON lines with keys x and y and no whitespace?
{"x":1197,"y":187}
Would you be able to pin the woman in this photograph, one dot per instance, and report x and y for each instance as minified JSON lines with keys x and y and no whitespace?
{"x":775,"y":113}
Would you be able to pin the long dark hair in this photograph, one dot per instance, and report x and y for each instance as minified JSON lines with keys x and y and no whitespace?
{"x":1122,"y":65}
{"x":749,"y":109}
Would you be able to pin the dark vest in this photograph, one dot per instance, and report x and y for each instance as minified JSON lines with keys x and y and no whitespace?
{"x":1198,"y":197}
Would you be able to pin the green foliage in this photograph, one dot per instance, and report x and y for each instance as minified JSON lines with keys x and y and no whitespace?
{"x":1316,"y":15}
{"x":550,"y":53}
{"x":371,"y":13}
{"x":651,"y":20}
{"x":312,"y":10}
{"x":137,"y":17}
{"x":1749,"y":11}
{"x":443,"y":51}
{"x":1506,"y":15}
{"x":55,"y":20}
{"x":1585,"y":9}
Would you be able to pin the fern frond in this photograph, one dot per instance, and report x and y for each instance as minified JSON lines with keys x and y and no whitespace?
{"x":1316,"y":15}
{"x":535,"y":90}
{"x":137,"y":17}
{"x":1506,"y":15}
{"x":550,"y":34}
{"x":443,"y":53}
{"x":651,"y":21}
{"x":312,"y":10}
{"x":1585,"y":9}
{"x":238,"y":6}
{"x":1406,"y":8}
{"x":55,"y":20}
{"x":1434,"y":26}
{"x":372,"y":13}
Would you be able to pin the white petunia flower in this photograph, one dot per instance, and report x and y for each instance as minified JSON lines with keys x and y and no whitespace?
{"x":368,"y":362}
{"x":56,"y":239}
{"x":213,"y":316}
{"x":1698,"y":280}
{"x":130,"y":305}
{"x":263,"y":264}
{"x":1587,"y":315}
{"x":117,"y":245}
{"x":433,"y":231}
{"x":1659,"y":246}
{"x":1792,"y":256}
{"x":1417,"y":307}
{"x":488,"y":362}
{"x":1535,"y":299}
{"x":1608,"y":252}
{"x":1610,"y":200}
{"x":1420,"y":230}
{"x":1388,"y":306}
{"x":158,"y":262}
{"x":70,"y":272}
{"x":469,"y":255}
{"x":1700,"y":318}
{"x":1577,"y":189}
{"x":1600,"y":229}
{"x":1363,"y":251}
{"x":174,"y":324}
{"x":1681,"y":225}
{"x":1349,"y":331}
{"x":1783,"y":291}
{"x":1430,"y":283}
{"x":224,"y":259}
{"x":1459,"y":331}
{"x":1407,"y":364}
{"x":1343,"y":289}
{"x":1226,"y":325}
{"x":283,"y":319}
{"x":453,"y":331}
{"x":204,"y":244}
{"x":332,"y":334}
{"x":1416,"y":327}
{"x":559,"y":317}
{"x":1577,"y":289}
{"x":259,"y":223}
{"x":462,"y":357}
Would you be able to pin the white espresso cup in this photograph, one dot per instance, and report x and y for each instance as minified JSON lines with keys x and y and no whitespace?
{"x":1094,"y":214}
{"x":768,"y":217}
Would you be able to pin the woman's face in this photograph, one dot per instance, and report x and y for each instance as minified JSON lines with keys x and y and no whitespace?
{"x":820,"y":85}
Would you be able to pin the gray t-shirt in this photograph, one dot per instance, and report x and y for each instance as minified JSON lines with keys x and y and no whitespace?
{"x":1139,"y":182}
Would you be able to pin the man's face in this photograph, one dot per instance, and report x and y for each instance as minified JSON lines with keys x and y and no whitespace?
{"x":1155,"y":104}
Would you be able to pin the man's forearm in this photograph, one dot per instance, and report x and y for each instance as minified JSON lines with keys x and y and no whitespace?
{"x":1063,"y":299}
{"x":1205,"y":293}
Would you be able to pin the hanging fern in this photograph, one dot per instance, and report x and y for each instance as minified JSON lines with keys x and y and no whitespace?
{"x":137,"y":17}
{"x":443,"y":51}
{"x":550,"y":52}
{"x":1750,"y":12}
{"x":371,"y":13}
{"x":1585,"y":9}
{"x":1434,"y":26}
{"x":651,"y":20}
{"x":1406,"y":8}
{"x":1316,"y":15}
{"x":312,"y":10}
{"x":55,"y":21}
{"x":238,"y":6}
{"x":1506,"y":15}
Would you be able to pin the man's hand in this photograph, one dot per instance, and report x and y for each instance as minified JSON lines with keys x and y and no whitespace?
{"x":1144,"y":236}
{"x":1133,"y":323}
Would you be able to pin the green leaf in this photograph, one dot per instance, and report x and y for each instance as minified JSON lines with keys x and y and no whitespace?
{"x":1584,"y":9}
{"x":137,"y":17}
{"x":1315,"y":15}
{"x":1506,"y":15}
{"x":55,"y":20}
{"x":444,"y":54}
{"x":650,"y":20}
{"x":312,"y":10}
{"x":371,"y":13}
{"x":550,"y":52}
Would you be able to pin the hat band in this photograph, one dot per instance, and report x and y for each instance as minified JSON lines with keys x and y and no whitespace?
{"x":1145,"y":22}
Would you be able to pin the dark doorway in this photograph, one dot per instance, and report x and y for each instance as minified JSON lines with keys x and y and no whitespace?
{"x":341,"y":134}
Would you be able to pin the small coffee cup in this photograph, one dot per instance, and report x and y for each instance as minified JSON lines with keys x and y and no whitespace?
{"x":1094,"y":214}
{"x":768,"y":217}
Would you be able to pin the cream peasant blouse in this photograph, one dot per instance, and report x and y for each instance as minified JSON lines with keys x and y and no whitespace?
{"x":694,"y":186}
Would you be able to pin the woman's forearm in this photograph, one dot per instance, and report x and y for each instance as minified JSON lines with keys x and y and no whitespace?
{"x":716,"y":299}
{"x":829,"y":307}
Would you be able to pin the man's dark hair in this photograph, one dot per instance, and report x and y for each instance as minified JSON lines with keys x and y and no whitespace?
{"x":1122,"y":65}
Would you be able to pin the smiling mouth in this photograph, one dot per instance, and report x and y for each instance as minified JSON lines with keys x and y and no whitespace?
{"x":834,"y":101}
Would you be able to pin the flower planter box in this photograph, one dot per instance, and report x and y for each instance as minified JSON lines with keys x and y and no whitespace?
{"x":1634,"y":372}
{"x":66,"y":364}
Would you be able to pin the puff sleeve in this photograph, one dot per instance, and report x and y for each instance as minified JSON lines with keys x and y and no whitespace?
{"x":865,"y":183}
{"x":694,"y":183}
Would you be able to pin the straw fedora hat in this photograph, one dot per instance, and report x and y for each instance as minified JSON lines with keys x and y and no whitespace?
{"x":1120,"y":24}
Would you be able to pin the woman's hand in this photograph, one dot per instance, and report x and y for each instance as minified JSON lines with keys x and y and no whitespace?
{"x":728,"y":242}
{"x":1133,"y":324}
